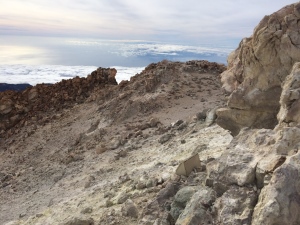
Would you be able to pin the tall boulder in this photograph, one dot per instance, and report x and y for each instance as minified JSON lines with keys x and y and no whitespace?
{"x":290,"y":99}
{"x":256,"y":70}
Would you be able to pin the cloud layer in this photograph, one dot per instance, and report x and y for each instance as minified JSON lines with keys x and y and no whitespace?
{"x":104,"y":53}
{"x":15,"y":74}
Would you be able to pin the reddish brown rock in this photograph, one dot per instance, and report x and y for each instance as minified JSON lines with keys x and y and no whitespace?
{"x":37,"y":101}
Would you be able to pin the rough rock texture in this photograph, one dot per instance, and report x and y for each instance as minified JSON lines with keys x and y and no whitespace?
{"x":236,"y":205}
{"x":256,"y":70}
{"x":37,"y":103}
{"x":290,"y":98}
{"x":197,"y":208}
{"x":279,"y":201}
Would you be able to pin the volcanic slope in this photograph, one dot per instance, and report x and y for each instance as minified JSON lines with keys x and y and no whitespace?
{"x":119,"y":147}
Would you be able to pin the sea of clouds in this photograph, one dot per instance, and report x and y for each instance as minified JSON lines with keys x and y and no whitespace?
{"x":35,"y":74}
{"x":55,"y":59}
{"x":140,"y":48}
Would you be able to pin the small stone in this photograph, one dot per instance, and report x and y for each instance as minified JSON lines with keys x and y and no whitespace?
{"x":202,"y":115}
{"x":150,"y":183}
{"x":209,"y":182}
{"x":87,"y":210}
{"x":129,"y":209}
{"x":101,"y":149}
{"x":89,"y":181}
{"x":154,"y":122}
{"x":165,"y":176}
{"x":22,"y":215}
{"x":124,"y":178}
{"x":140,"y":185}
{"x":78,"y":221}
{"x":182,"y":126}
{"x":122,"y":153}
{"x":109,"y":203}
{"x":122,"y":197}
{"x":109,"y":194}
{"x":115,"y":143}
{"x":163,"y":139}
{"x":177,"y":123}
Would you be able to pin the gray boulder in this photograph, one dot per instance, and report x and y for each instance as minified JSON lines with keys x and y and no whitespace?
{"x":197,"y":209}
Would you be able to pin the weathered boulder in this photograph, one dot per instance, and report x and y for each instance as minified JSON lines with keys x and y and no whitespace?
{"x":235,"y":207}
{"x":279,"y":201}
{"x":256,"y":70}
{"x":182,"y":197}
{"x":237,"y":165}
{"x":154,"y":211}
{"x":290,"y":98}
{"x":197,"y":210}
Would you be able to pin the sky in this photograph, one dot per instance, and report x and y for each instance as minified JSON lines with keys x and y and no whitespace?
{"x":176,"y":21}
{"x":49,"y":40}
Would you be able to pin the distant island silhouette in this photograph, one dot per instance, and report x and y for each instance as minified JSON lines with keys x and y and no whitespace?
{"x":13,"y":87}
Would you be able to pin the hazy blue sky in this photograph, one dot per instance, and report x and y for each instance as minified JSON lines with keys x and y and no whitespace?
{"x":125,"y":32}
{"x":180,"y":21}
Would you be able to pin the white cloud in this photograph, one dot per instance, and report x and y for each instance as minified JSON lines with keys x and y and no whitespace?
{"x":32,"y":74}
{"x":177,"y":20}
{"x":142,"y":48}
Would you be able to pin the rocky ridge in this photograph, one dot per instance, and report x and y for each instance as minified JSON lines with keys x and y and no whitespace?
{"x":37,"y":103}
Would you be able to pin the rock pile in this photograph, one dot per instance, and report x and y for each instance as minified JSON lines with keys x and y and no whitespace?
{"x":35,"y":103}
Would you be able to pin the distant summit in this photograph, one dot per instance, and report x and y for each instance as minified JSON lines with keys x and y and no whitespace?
{"x":13,"y":87}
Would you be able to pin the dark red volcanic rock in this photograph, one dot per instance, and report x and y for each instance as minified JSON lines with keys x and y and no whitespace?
{"x":33,"y":104}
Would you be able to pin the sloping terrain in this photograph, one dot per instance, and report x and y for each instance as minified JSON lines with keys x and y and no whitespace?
{"x":110,"y":155}
{"x":123,"y":142}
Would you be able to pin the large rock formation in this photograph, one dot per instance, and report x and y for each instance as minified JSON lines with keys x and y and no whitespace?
{"x":256,"y":70}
